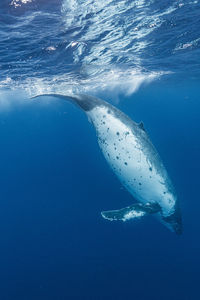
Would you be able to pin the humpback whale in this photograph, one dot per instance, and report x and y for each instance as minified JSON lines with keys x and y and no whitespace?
{"x":135,"y":161}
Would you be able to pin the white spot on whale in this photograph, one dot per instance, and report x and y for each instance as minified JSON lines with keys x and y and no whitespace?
{"x":132,"y":215}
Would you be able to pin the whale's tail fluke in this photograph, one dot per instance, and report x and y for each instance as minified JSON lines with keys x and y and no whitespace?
{"x":137,"y":210}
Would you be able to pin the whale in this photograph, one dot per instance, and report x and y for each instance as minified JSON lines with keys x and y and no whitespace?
{"x":127,"y":148}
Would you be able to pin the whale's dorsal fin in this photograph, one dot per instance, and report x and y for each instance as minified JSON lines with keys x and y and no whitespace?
{"x":141,"y":125}
{"x":136,"y":210}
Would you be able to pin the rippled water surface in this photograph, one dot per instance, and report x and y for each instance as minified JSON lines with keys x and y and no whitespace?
{"x":73,"y":45}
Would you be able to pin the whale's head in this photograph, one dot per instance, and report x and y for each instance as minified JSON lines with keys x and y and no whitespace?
{"x":174,"y":221}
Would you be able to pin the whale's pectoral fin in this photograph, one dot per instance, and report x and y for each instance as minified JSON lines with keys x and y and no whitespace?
{"x":136,"y":210}
{"x":85,"y":102}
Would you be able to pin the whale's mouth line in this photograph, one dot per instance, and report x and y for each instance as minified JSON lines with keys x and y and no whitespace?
{"x":175,"y":222}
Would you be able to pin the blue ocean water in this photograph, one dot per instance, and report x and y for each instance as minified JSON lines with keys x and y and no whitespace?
{"x":143,"y":57}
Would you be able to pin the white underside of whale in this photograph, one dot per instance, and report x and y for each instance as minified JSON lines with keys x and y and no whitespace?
{"x":130,"y":161}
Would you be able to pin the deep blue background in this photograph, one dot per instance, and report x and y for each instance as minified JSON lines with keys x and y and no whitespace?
{"x":54,"y":183}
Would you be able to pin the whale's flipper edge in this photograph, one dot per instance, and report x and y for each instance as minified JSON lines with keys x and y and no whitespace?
{"x":85,"y":102}
{"x":59,"y":96}
{"x":136,"y":210}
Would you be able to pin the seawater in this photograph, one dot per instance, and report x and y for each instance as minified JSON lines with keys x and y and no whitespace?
{"x":141,"y":56}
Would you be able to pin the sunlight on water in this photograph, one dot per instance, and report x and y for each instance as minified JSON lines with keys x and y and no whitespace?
{"x":17,"y":3}
{"x":91,"y":46}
